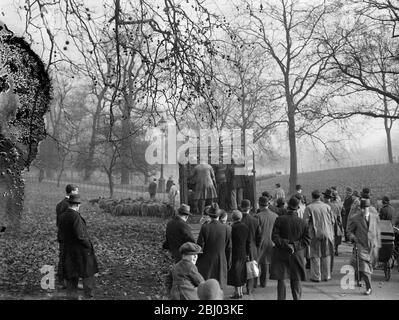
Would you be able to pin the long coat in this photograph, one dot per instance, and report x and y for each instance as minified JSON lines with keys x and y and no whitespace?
{"x":387,"y":212}
{"x":266,"y":219}
{"x":289,"y":229}
{"x":204,"y":179}
{"x":321,"y":223}
{"x":336,"y":209}
{"x":79,"y":260}
{"x":178,"y":232}
{"x":183,"y":280}
{"x":214,"y":262}
{"x":368,"y":239}
{"x":254,"y":234}
{"x":61,"y":206}
{"x":237,"y":275}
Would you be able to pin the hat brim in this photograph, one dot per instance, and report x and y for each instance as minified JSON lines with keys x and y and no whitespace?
{"x":74,"y":202}
{"x":184,"y":213}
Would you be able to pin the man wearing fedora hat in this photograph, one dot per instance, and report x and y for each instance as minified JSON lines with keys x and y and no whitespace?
{"x":215,"y":239}
{"x":266,"y":219}
{"x":291,"y":236}
{"x":364,"y":230}
{"x":62,"y":206}
{"x":184,"y":278}
{"x":79,"y":260}
{"x":178,"y":232}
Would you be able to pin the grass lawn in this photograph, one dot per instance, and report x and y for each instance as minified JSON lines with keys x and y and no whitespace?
{"x":131,"y":261}
{"x":382,"y":179}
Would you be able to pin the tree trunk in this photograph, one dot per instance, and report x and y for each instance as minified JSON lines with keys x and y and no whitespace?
{"x":110,"y":183}
{"x":388,"y":127}
{"x":41,"y":174}
{"x":89,"y":168}
{"x":125,"y":151}
{"x":292,"y":142}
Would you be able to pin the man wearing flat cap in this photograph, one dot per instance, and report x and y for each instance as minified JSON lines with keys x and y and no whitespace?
{"x":184,"y":278}
{"x":291,"y":236}
{"x":215,"y":240}
{"x":79,"y":260}
{"x":178,"y":232}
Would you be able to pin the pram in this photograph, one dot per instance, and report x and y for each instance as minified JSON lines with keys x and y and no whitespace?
{"x":386,"y":254}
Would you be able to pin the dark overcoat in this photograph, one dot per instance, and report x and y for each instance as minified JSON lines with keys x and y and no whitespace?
{"x":387,"y":212}
{"x":254,"y":234}
{"x":289,"y":229}
{"x":178,"y":232}
{"x":237,"y":275}
{"x":214,"y":262}
{"x":266,"y":219}
{"x":61,"y":206}
{"x":183,"y":280}
{"x":79,"y":260}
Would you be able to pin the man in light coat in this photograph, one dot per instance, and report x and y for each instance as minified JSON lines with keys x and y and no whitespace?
{"x":266,"y":219}
{"x":321,"y":225}
{"x":364,"y":231}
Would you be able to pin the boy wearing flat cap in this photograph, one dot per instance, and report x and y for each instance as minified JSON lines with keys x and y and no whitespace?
{"x":184,"y":278}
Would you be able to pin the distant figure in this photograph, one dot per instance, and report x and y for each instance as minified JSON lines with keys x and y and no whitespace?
{"x":278,"y":193}
{"x":271,"y":205}
{"x":299,"y":194}
{"x":172,"y":194}
{"x":336,"y":209}
{"x":347,"y":205}
{"x":178,"y":232}
{"x":183,"y":279}
{"x":334,"y":189}
{"x":169,"y":183}
{"x":236,"y":182}
{"x":387,"y":211}
{"x":205,"y":216}
{"x":237,"y":275}
{"x":281,"y":207}
{"x":210,"y":290}
{"x":152,"y":189}
{"x":61,"y":207}
{"x":205,"y":185}
{"x":221,"y":185}
{"x":79,"y":260}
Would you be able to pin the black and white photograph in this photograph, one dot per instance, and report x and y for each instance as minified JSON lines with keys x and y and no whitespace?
{"x":170,"y":150}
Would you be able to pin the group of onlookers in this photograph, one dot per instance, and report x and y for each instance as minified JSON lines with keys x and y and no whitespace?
{"x":284,"y":238}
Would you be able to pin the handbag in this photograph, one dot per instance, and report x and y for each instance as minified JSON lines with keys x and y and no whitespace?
{"x":252,"y":269}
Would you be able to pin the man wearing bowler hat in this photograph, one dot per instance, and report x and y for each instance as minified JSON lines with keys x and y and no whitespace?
{"x":254,"y":237}
{"x":291,"y":236}
{"x":215,"y":240}
{"x":178,"y":232}
{"x":79,"y":260}
{"x":184,"y":278}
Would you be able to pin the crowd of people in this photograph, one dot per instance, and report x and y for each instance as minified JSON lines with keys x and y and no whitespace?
{"x":283,"y":238}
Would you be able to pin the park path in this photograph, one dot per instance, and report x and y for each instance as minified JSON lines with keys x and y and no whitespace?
{"x":331,"y":290}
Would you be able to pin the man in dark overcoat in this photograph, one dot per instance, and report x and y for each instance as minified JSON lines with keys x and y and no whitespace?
{"x":178,"y":232}
{"x":254,"y":237}
{"x":61,"y":207}
{"x":215,"y":240}
{"x":79,"y":260}
{"x":291,"y":236}
{"x":266,"y":219}
{"x":346,"y":208}
{"x":236,"y":183}
{"x":387,"y":212}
